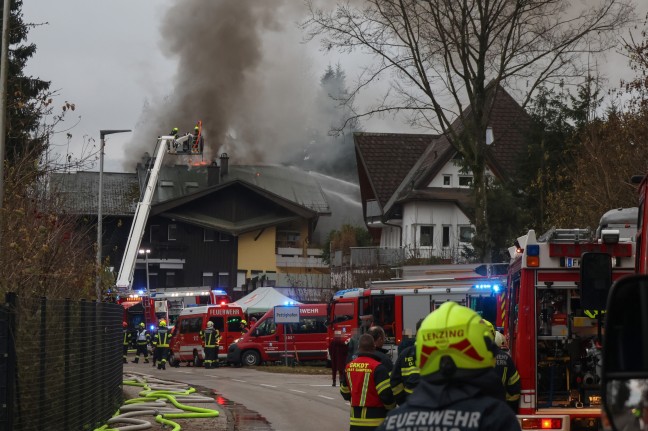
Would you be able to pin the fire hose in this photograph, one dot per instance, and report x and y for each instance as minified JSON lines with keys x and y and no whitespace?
{"x":154,"y":401}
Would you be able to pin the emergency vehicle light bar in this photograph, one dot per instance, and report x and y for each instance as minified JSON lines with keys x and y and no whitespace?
{"x":541,"y":423}
{"x":485,"y":286}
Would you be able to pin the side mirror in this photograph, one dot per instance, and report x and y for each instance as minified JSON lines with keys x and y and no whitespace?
{"x":596,"y":279}
{"x":625,"y":355}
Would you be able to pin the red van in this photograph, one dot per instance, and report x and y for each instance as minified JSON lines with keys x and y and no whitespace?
{"x":186,"y":345}
{"x":268,"y":341}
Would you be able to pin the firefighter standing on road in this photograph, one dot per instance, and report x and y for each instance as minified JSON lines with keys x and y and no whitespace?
{"x":161,"y":344}
{"x":455,"y":352}
{"x":143,"y":339}
{"x":367,"y":388}
{"x":506,"y":370}
{"x":127,"y":339}
{"x":405,"y":376}
{"x":210,"y":338}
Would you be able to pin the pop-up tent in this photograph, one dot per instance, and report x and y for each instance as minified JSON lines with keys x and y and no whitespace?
{"x":263,"y":299}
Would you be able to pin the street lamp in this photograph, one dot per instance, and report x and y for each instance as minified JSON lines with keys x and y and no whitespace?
{"x":146,"y":253}
{"x":102,"y":135}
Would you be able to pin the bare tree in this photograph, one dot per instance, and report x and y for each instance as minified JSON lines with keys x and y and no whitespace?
{"x":446,"y":58}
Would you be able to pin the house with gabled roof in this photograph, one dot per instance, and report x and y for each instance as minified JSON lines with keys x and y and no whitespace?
{"x":414,"y":194}
{"x":212,"y":225}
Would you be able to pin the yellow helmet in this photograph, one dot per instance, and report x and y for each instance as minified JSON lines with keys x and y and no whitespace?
{"x":490,"y":327}
{"x":244,"y":322}
{"x":210,"y":324}
{"x":162,"y":322}
{"x":142,"y":325}
{"x":454,"y":337}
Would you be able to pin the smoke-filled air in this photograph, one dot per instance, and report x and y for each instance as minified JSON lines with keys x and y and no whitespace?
{"x":245,"y":73}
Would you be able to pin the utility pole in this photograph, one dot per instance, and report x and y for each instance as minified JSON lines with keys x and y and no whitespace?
{"x":102,"y":138}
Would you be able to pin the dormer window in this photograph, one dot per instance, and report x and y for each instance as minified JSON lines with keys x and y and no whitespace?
{"x":465,"y":181}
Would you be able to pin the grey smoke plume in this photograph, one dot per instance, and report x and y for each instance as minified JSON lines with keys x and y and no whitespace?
{"x":241,"y":70}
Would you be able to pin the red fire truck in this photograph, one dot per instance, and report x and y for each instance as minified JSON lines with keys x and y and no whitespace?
{"x":397,"y":305}
{"x":554,"y":338}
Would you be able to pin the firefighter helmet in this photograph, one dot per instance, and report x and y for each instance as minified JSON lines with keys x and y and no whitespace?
{"x":243,"y":322}
{"x":142,"y":325}
{"x":174,"y":130}
{"x":500,"y":340}
{"x":162,"y":322}
{"x":451,"y":338}
{"x":491,"y":328}
{"x":196,"y":128}
{"x":210,"y":324}
{"x":125,"y":324}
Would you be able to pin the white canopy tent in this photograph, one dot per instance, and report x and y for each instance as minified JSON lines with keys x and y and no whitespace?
{"x":263,"y":299}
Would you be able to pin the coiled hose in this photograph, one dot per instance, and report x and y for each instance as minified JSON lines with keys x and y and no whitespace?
{"x":154,"y":401}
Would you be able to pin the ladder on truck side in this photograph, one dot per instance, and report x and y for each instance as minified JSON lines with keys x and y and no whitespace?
{"x":165,"y":145}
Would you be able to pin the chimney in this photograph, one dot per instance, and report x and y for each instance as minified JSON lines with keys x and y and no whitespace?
{"x":224,"y":162}
{"x":213,"y":174}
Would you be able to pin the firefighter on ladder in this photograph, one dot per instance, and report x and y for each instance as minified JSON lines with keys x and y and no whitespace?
{"x":210,"y":338}
{"x":161,"y":342}
{"x":143,"y":339}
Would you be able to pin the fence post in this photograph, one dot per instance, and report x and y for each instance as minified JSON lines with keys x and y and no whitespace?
{"x":66,"y":363}
{"x":8,"y":378}
{"x":42,"y":402}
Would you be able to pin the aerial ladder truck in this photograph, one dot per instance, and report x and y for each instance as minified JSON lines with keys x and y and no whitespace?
{"x":188,"y":145}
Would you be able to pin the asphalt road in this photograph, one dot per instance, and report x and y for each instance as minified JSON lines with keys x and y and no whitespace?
{"x":290,"y":402}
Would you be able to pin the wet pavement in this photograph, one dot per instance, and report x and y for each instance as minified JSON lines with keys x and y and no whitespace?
{"x":242,"y":418}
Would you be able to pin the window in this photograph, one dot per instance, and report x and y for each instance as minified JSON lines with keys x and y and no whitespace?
{"x":426,"y":236}
{"x":170,"y":279}
{"x":223,"y":237}
{"x":446,"y":236}
{"x":267,"y":327}
{"x":465,"y":181}
{"x":307,"y":325}
{"x":208,"y":235}
{"x":164,"y":183}
{"x":223,"y":279}
{"x":190,"y":324}
{"x":173,"y":232}
{"x":342,"y":311}
{"x":446,"y":180}
{"x":234,"y":324}
{"x":218,"y":323}
{"x":465,"y":233}
{"x":208,"y":279}
{"x":155,"y":233}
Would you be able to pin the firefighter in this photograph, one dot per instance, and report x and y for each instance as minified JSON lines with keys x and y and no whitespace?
{"x":405,"y":376}
{"x":174,"y":132}
{"x":126,"y":341}
{"x":143,"y":339}
{"x":210,"y":338}
{"x":366,"y":387}
{"x":458,"y":390}
{"x":244,"y":327}
{"x":199,"y":142}
{"x":161,"y":343}
{"x":506,"y":370}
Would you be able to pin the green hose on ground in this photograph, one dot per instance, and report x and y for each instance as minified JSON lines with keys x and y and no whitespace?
{"x":154,"y":402}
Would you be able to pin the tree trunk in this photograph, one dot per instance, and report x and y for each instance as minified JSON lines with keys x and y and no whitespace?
{"x":482,"y":241}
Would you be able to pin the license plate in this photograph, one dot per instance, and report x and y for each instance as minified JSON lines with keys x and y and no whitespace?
{"x":573,"y":262}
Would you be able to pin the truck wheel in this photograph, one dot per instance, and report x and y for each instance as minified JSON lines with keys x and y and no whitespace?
{"x":197,"y":362}
{"x":173,"y":361}
{"x":251,"y":358}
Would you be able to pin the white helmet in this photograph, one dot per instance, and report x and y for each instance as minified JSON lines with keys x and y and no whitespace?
{"x":500,"y":340}
{"x":210,"y":324}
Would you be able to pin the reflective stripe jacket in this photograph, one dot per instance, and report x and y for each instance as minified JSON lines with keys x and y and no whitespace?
{"x":210,"y":337}
{"x":506,"y":369}
{"x":406,"y":374}
{"x":474,"y":402}
{"x":368,"y":390}
{"x":162,"y":338}
{"x":143,"y":337}
{"x":127,"y":336}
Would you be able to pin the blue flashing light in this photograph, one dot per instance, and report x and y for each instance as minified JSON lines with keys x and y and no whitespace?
{"x":289,"y":303}
{"x":152,"y":327}
{"x":533,"y":250}
{"x":140,"y":292}
{"x":487,"y":286}
{"x":219,"y":292}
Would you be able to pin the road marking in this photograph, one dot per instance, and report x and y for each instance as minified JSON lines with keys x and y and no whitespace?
{"x":270,"y":386}
{"x":183,"y":372}
{"x":237,"y":380}
{"x":323,"y":386}
{"x":295,"y":390}
{"x":328,"y":398}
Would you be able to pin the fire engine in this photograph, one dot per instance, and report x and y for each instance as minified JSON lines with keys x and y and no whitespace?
{"x":397,"y":305}
{"x":140,"y":306}
{"x":554,"y":338}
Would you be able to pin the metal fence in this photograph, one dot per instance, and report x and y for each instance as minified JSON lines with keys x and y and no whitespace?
{"x":60,"y":363}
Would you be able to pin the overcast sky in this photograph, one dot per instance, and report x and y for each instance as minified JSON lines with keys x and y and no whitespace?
{"x":110,"y":58}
